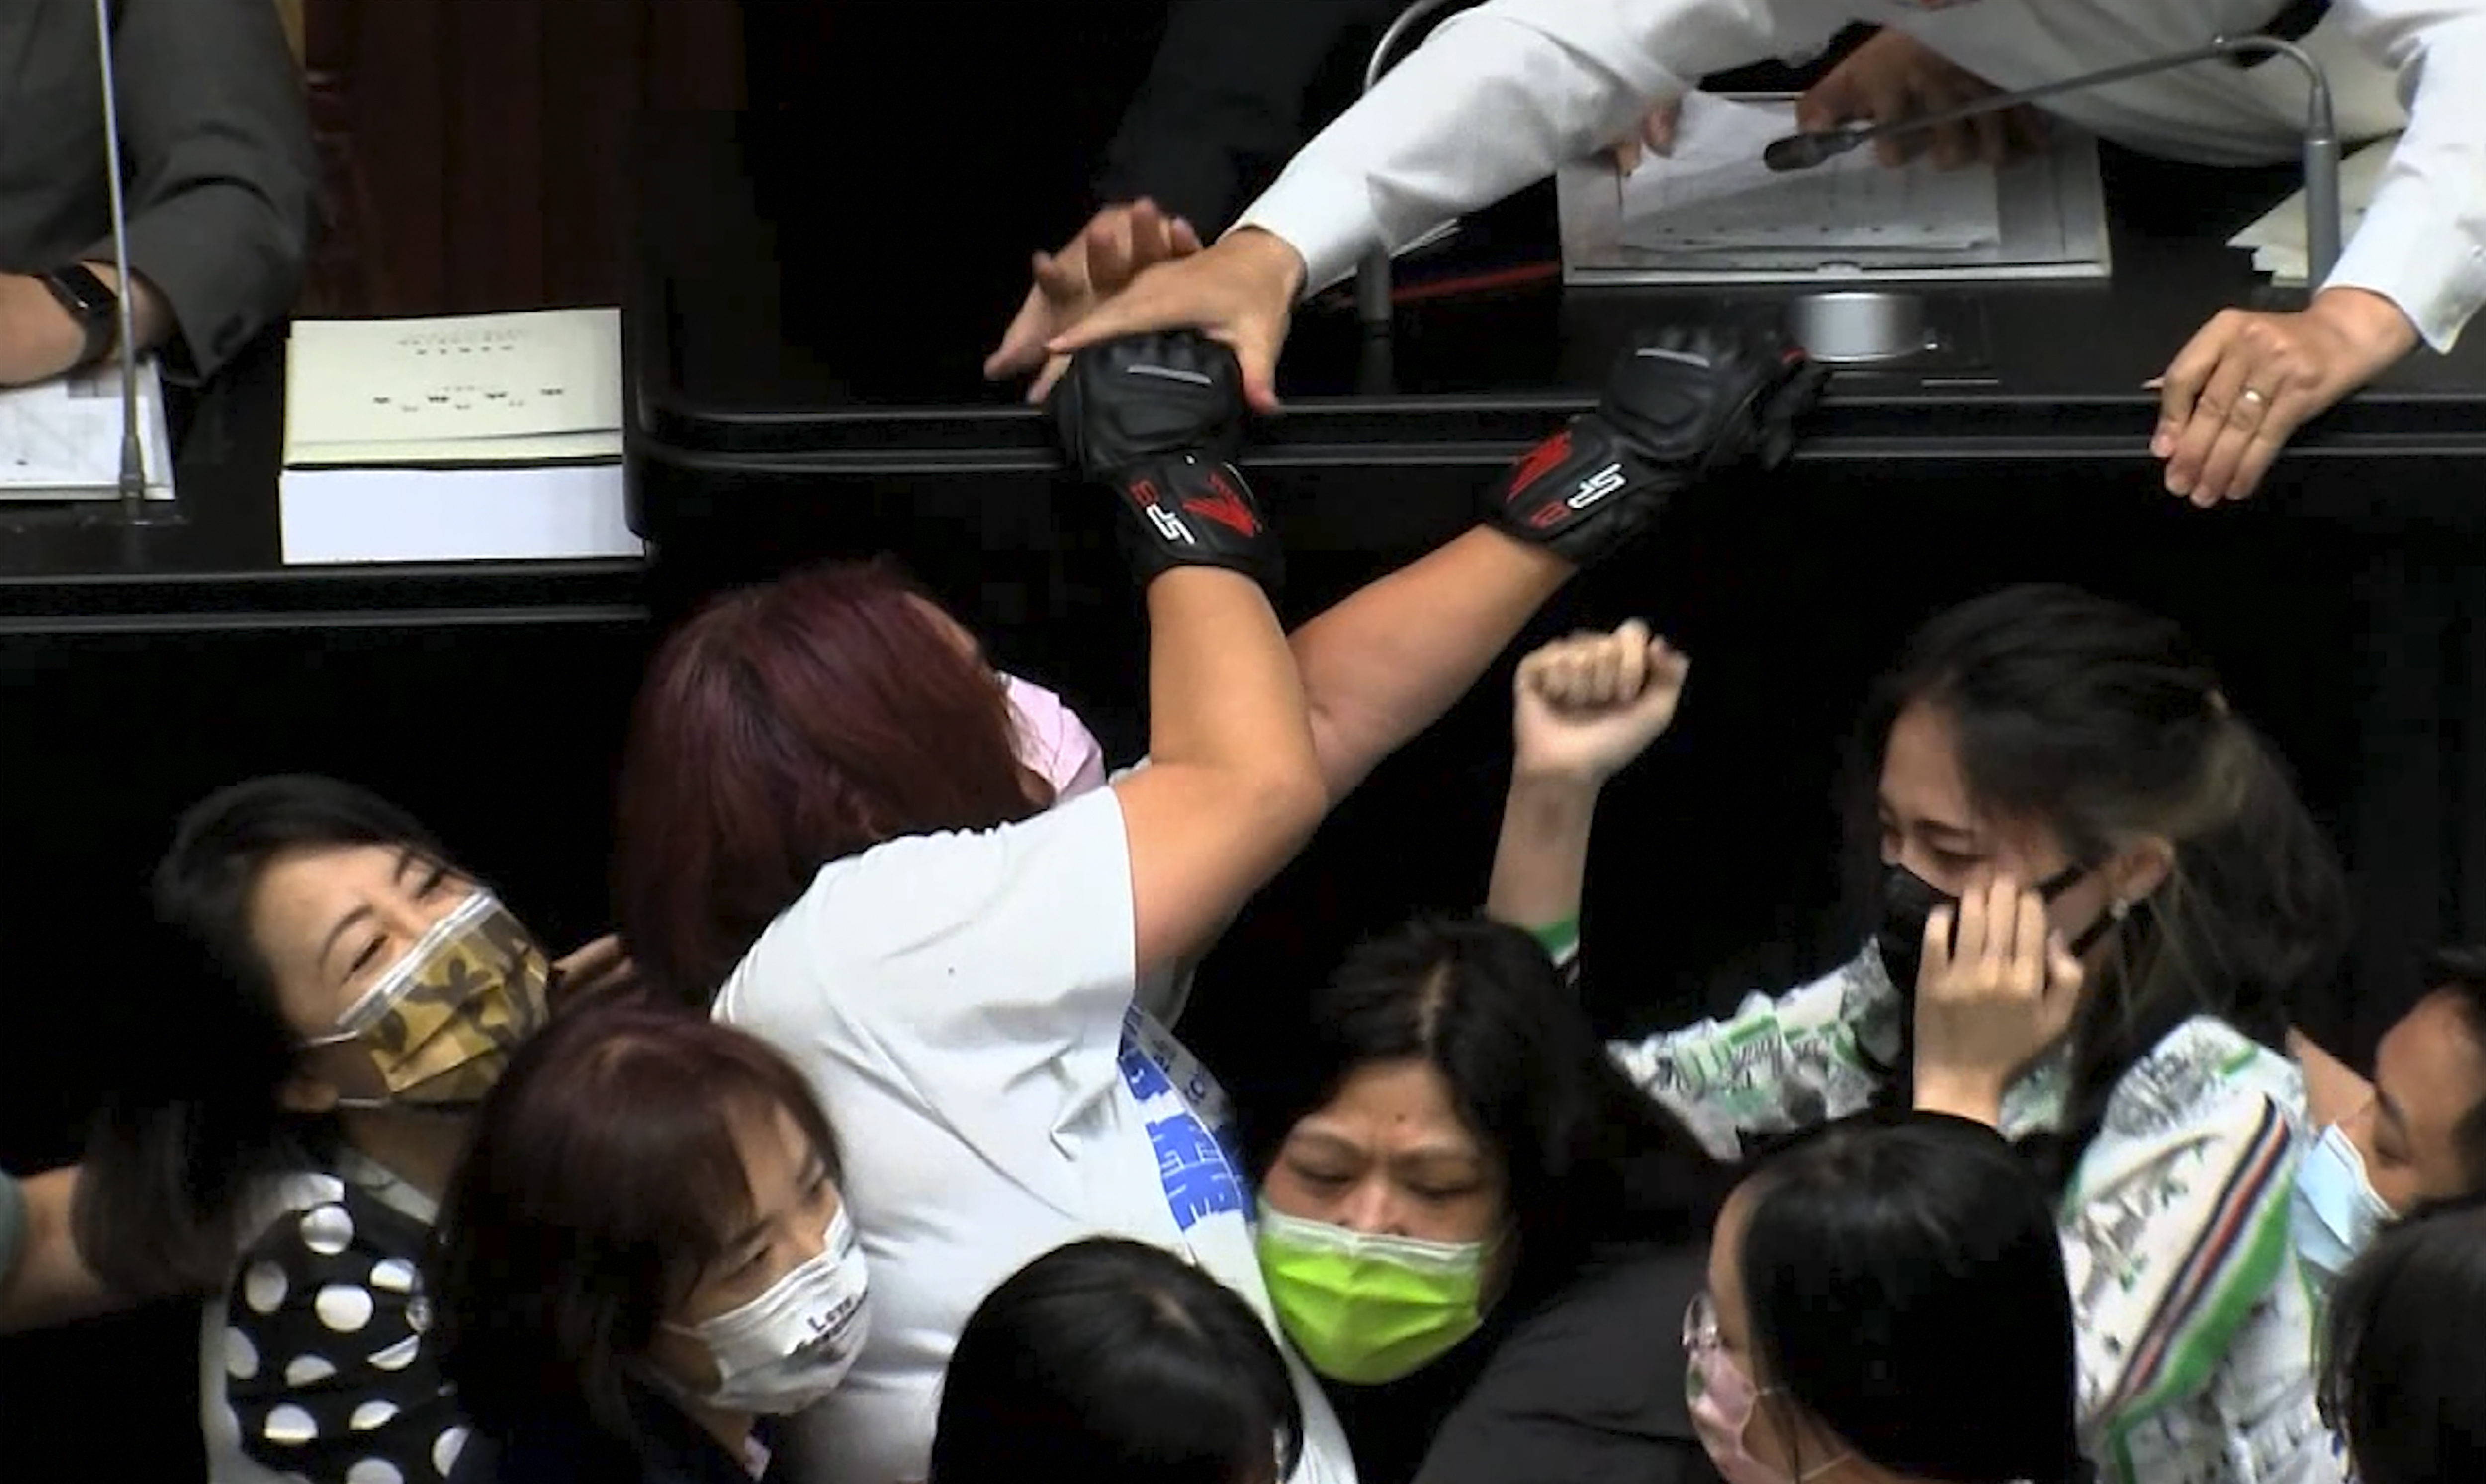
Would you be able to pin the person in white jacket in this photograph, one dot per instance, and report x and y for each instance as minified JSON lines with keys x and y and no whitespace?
{"x":1503,"y":93}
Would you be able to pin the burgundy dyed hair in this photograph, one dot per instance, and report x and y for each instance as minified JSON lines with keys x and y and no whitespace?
{"x":785,"y":727}
{"x":604,"y":1181}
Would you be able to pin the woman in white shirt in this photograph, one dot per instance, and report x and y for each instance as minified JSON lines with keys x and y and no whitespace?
{"x":2119,"y":1019}
{"x":827,"y":827}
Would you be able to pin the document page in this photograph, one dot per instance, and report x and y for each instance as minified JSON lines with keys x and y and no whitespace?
{"x":61,"y":439}
{"x":1713,"y":194}
{"x":383,"y":388}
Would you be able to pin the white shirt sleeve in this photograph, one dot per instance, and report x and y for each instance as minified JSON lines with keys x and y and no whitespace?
{"x":2422,"y":243}
{"x":1500,"y":95}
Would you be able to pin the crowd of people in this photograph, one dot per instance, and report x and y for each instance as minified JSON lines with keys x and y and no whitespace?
{"x":869,"y":1151}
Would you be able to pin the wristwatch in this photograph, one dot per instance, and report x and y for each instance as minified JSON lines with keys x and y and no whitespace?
{"x":96,"y":308}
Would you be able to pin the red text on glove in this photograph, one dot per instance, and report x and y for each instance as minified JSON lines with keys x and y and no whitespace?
{"x":1541,"y":460}
{"x":1225,"y":506}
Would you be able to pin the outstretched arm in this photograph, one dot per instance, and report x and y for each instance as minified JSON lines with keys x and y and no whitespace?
{"x":1385,"y":662}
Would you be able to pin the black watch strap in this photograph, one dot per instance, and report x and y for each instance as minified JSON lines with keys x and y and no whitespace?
{"x":96,"y":308}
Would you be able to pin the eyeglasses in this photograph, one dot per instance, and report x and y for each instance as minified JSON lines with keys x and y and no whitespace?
{"x":1700,"y":1323}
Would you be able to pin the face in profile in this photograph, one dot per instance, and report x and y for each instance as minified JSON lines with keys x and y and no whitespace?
{"x":2429,"y":1077}
{"x":1735,"y":1405}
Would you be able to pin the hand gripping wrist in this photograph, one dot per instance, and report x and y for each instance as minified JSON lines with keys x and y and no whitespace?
{"x":1155,"y":417}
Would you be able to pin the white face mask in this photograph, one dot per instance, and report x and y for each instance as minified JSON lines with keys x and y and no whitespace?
{"x":1053,"y":741}
{"x":790,"y":1347}
{"x":2334,"y":1212}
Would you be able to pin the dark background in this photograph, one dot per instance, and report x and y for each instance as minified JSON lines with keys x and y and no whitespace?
{"x":475,"y":149}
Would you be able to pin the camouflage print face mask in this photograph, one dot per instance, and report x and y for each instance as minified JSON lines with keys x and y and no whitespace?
{"x":440,"y":1025}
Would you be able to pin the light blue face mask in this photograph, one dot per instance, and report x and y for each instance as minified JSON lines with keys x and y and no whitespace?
{"x":2334,"y":1211}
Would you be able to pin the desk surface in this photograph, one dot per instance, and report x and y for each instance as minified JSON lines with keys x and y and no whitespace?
{"x":221,"y":564}
{"x":774,"y":319}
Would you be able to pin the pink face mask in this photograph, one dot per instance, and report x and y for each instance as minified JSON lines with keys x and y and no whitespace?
{"x":1053,"y":741}
{"x":1722,"y":1400}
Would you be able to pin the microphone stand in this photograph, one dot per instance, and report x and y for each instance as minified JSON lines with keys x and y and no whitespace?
{"x":2321,"y":149}
{"x":1372,"y":278}
{"x":133,"y":507}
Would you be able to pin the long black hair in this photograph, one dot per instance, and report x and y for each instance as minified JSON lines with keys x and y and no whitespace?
{"x":2400,"y":1378}
{"x":1904,"y":1284}
{"x":2104,"y":722}
{"x":1592,"y":1164}
{"x":194,"y":1122}
{"x":1108,"y":1361}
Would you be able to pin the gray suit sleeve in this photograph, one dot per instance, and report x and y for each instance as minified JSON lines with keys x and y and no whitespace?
{"x":224,"y":184}
{"x":13,"y":1225}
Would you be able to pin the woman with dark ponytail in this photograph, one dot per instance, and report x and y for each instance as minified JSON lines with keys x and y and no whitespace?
{"x":2100,"y":896}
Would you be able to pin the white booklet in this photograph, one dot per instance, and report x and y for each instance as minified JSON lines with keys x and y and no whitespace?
{"x":538,"y":387}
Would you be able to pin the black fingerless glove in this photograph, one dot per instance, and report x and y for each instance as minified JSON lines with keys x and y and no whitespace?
{"x":1155,"y":417}
{"x":1684,"y":404}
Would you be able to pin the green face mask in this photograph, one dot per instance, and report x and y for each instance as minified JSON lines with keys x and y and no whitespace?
{"x":1366,"y":1309}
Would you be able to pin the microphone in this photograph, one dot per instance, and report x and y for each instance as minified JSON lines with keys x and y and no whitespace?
{"x":2322,"y":226}
{"x":1372,"y":278}
{"x":132,"y":482}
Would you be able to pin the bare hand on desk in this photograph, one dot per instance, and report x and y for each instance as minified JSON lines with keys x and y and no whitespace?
{"x":2242,"y":386}
{"x":37,"y":339}
{"x":1116,"y":244}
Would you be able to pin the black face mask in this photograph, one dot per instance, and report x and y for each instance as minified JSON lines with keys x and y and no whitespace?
{"x":1909,"y":900}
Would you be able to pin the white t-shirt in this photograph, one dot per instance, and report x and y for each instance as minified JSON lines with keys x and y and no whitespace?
{"x":964,"y":1005}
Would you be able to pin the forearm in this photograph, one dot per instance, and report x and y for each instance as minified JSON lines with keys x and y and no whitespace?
{"x":2421,"y":244}
{"x":1386,"y":662}
{"x":1974,"y":1099}
{"x":1498,"y":97}
{"x":223,"y":264}
{"x":1492,"y":102}
{"x":46,"y":1282}
{"x":1541,"y":859}
{"x":1222,"y":691}
{"x":38,"y":339}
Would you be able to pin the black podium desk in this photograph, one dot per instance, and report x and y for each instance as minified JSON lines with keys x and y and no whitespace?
{"x":803,"y":353}
{"x":221,"y":564}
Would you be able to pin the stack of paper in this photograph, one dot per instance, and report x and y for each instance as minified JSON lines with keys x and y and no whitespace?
{"x":2278,"y":239}
{"x":1711,"y":193}
{"x":61,"y":439}
{"x":493,"y":389}
{"x":479,"y":438}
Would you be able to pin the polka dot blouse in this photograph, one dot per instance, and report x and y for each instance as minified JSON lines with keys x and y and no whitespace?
{"x":326,"y":1374}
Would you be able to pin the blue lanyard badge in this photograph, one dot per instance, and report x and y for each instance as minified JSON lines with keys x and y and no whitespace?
{"x":1190,"y":1123}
